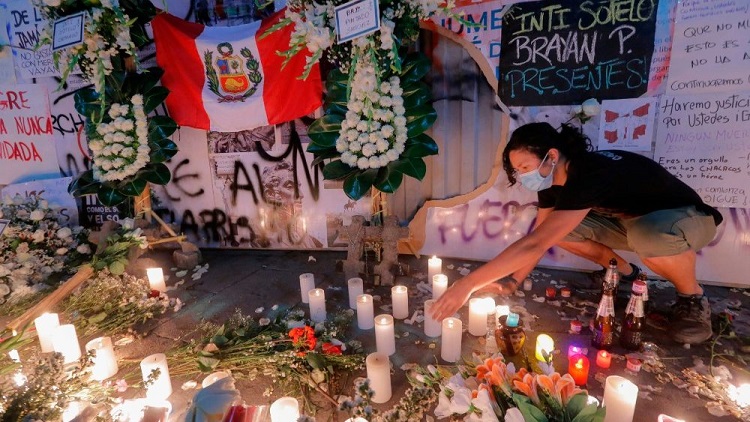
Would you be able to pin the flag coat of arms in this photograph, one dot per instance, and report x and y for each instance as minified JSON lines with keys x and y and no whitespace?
{"x":228,"y":79}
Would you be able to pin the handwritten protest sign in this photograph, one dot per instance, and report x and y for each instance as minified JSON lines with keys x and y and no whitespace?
{"x":25,"y":23}
{"x":27,"y":151}
{"x":702,"y":139}
{"x":709,"y":52}
{"x":565,"y":51}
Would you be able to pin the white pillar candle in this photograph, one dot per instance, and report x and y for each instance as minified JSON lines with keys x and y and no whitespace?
{"x":105,"y":362}
{"x":161,"y":385}
{"x":544,"y":343}
{"x":439,"y":285}
{"x":400,"y":298}
{"x":432,"y":326}
{"x":356,"y":288}
{"x":213,"y":377}
{"x":450,"y":345}
{"x":65,"y":341}
{"x":385,"y":338}
{"x":478,"y":317}
{"x":365,"y":312}
{"x":620,"y":396}
{"x":306,"y":283}
{"x":434,"y":266}
{"x":379,"y":374}
{"x":317,"y":305}
{"x":501,"y":310}
{"x":72,"y":410}
{"x":284,"y":409}
{"x":156,"y":279}
{"x":45,"y":326}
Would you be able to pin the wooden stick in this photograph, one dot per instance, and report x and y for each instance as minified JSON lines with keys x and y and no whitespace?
{"x":143,"y":203}
{"x":83,"y":274}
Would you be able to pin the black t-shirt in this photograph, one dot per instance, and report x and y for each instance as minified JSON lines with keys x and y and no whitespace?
{"x":621,"y":184}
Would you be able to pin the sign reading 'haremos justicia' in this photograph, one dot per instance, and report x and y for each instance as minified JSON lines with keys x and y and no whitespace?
{"x":563,"y":52}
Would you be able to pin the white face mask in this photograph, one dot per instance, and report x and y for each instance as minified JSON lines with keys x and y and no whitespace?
{"x":533,"y":180}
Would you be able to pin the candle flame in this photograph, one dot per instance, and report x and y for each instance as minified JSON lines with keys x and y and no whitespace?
{"x":579,"y":364}
{"x":384,"y":320}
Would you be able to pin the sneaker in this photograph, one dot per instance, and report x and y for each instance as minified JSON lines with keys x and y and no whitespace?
{"x":595,"y":279}
{"x":691,"y":319}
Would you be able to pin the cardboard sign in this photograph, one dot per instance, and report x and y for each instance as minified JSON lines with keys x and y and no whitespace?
{"x":68,"y":31}
{"x":357,"y":18}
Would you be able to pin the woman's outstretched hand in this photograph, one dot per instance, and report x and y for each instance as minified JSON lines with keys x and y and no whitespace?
{"x":453,"y":298}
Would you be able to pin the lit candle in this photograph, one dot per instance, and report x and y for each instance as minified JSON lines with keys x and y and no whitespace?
{"x":72,"y":411}
{"x":356,"y":288}
{"x":365,"y":312}
{"x":385,"y":338}
{"x":477,"y":317}
{"x":633,"y":364}
{"x":512,"y":320}
{"x":565,"y":292}
{"x":65,"y":341}
{"x":45,"y":326}
{"x":544,"y":345}
{"x":434,"y":266}
{"x":105,"y":362}
{"x":603,"y":359}
{"x":284,"y":409}
{"x":743,"y":395}
{"x":156,"y":279}
{"x":160,"y":385}
{"x":528,"y":284}
{"x":551,"y":292}
{"x":306,"y":283}
{"x":212,"y":378}
{"x":439,"y":285}
{"x":379,"y":373}
{"x":431,"y":326}
{"x":450,"y":345}
{"x":577,"y":350}
{"x":317,"y":301}
{"x":620,"y":396}
{"x":578,"y":368}
{"x":576,"y":326}
{"x":400,"y":299}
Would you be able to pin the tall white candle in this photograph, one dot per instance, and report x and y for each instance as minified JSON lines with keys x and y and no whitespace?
{"x":65,"y":341}
{"x":620,"y":396}
{"x":365,"y":312}
{"x":306,"y":283}
{"x":434,"y":266}
{"x":385,"y":338}
{"x":45,"y":325}
{"x":284,"y":409}
{"x":478,"y":317}
{"x":317,"y":305}
{"x":105,"y":362}
{"x":156,"y":279}
{"x":432,"y":326}
{"x":161,"y":385}
{"x":439,"y":285}
{"x":379,"y":374}
{"x":400,"y":298}
{"x":450,"y":344}
{"x":356,"y":288}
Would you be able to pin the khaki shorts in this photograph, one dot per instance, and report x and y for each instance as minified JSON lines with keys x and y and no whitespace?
{"x":660,"y":233}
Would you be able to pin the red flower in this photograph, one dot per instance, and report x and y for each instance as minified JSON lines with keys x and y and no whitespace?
{"x":154,"y":293}
{"x":331,"y":349}
{"x":303,"y":337}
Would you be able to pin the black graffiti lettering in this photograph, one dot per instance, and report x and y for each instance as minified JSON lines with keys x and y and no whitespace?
{"x":67,"y":123}
{"x":214,"y":222}
{"x":236,"y":186}
{"x":73,"y":169}
{"x":188,"y":224}
{"x":177,"y":179}
{"x":296,"y":150}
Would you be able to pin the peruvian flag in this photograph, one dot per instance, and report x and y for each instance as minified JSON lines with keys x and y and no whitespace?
{"x":227,"y":79}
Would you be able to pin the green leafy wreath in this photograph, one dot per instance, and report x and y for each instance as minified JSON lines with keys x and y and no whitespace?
{"x":420,"y":116}
{"x":120,"y":88}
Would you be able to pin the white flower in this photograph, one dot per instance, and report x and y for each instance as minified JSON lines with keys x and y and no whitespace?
{"x":513,"y":415}
{"x":61,"y":251}
{"x":368,"y":149}
{"x":37,"y":215}
{"x":127,"y":223}
{"x":382,"y":145}
{"x":363,"y":163}
{"x":83,"y":249}
{"x":64,"y":233}
{"x":483,"y":411}
{"x":341,"y":145}
{"x":591,"y":107}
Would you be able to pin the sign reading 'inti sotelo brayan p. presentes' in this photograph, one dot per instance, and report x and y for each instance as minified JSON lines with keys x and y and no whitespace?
{"x":565,"y":51}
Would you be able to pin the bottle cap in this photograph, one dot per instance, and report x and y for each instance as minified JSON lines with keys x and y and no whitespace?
{"x":612,"y":262}
{"x":639,"y":287}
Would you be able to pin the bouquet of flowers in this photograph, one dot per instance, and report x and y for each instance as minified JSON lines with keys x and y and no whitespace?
{"x":34,"y":247}
{"x":376,"y":109}
{"x":300,"y":357}
{"x":107,"y":35}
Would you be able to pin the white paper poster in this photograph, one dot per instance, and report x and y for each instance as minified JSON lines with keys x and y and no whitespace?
{"x":7,"y":72}
{"x":25,"y":23}
{"x":27,"y":150}
{"x":627,"y":124}
{"x":709,"y":51}
{"x":703,"y":140}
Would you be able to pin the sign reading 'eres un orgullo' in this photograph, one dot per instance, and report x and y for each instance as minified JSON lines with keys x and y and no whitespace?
{"x":566,"y":51}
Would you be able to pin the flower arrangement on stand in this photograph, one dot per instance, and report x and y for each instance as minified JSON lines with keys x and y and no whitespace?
{"x":376,"y":109}
{"x":35,"y":248}
{"x":301,"y":358}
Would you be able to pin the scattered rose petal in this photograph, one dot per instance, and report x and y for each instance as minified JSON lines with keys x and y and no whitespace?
{"x":539,"y":299}
{"x":189,"y":385}
{"x":716,"y":409}
{"x":259,"y":310}
{"x":274,"y":307}
{"x":311,"y":259}
{"x":450,"y":266}
{"x":182,"y":273}
{"x":264,"y":321}
{"x":464,"y":271}
{"x":124,"y":341}
{"x":431,"y":346}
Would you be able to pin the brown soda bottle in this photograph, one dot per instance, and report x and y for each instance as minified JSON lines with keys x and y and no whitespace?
{"x":646,"y":304}
{"x":605,"y":320}
{"x":612,"y":276}
{"x":631,"y":335}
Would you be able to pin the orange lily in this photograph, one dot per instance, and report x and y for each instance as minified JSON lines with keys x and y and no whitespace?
{"x":528,"y":386}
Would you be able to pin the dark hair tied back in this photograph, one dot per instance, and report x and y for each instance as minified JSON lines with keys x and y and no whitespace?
{"x":539,"y":138}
